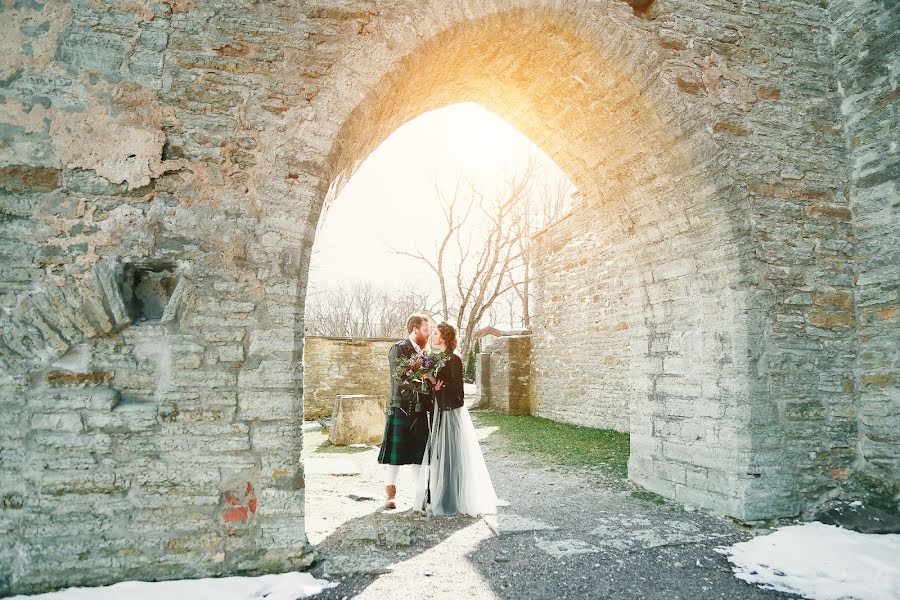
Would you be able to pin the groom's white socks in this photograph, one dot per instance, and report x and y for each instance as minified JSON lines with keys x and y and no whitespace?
{"x":393,"y":473}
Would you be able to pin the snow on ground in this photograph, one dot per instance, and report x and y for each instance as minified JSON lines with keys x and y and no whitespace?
{"x":287,"y":586}
{"x":821,"y":561}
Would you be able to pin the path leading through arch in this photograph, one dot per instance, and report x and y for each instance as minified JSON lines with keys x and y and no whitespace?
{"x":562,"y":532}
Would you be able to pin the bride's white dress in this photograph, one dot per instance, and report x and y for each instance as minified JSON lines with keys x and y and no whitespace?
{"x":454,"y":478}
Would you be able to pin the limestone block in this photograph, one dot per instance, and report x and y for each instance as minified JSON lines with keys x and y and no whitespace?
{"x":231,"y":353}
{"x":57,"y":422}
{"x":269,"y":374}
{"x":504,"y":376}
{"x":268,"y":405}
{"x":98,"y":397}
{"x":357,"y":419}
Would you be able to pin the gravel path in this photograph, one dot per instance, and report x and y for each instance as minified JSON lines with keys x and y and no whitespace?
{"x":566,"y":533}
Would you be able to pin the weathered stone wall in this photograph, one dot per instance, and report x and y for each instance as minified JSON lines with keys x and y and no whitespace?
{"x":505,"y":385}
{"x":142,"y":246}
{"x":738,"y":374}
{"x":343,"y":366}
{"x":866,"y":40}
{"x":582,"y":343}
{"x":164,"y":166}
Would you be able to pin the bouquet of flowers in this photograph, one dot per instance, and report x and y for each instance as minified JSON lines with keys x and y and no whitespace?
{"x":415,"y":370}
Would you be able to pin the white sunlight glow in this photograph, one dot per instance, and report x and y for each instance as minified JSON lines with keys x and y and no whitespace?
{"x":391,"y":202}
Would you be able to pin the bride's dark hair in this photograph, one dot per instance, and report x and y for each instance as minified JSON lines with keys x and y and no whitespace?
{"x":448,"y":334}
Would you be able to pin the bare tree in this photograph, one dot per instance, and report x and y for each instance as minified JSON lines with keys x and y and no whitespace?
{"x":362,"y":310}
{"x":479,"y":257}
{"x":548,"y":202}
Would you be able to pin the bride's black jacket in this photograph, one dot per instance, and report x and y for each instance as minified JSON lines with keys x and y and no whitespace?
{"x":452,"y":394}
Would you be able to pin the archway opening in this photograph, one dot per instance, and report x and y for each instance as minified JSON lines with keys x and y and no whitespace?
{"x":649,"y":279}
{"x":438,"y":219}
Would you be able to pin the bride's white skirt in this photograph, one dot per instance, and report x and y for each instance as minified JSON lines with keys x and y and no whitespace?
{"x":454,"y":478}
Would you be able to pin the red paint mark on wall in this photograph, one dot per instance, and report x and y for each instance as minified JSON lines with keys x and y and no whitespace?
{"x":239,"y":507}
{"x":235,"y":514}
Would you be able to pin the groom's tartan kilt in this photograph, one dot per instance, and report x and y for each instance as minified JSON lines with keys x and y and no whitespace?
{"x":402,"y":445}
{"x":405,"y":432}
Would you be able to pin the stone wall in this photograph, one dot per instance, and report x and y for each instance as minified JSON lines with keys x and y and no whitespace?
{"x":150,"y":297}
{"x":784,"y":367}
{"x":343,"y":366}
{"x":866,"y":40}
{"x":163,"y":170}
{"x":583,"y":371}
{"x":504,"y":375}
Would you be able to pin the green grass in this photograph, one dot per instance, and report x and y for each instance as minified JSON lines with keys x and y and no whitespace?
{"x":562,"y":444}
{"x":648,"y":497}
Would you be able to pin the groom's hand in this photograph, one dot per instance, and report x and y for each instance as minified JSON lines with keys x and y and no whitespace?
{"x":438,"y":385}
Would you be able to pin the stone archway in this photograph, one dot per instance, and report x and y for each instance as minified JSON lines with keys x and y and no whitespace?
{"x":186,"y":150}
{"x":658,"y":220}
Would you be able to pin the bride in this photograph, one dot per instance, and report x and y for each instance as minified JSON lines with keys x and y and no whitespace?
{"x":454,"y":478}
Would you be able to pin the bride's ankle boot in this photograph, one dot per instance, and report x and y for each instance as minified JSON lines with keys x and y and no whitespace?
{"x":391,"y":491}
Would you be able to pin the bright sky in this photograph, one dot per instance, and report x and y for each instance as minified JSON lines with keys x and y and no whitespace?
{"x":372,"y":213}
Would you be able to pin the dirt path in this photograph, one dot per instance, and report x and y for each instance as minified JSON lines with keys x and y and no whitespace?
{"x":566,"y":533}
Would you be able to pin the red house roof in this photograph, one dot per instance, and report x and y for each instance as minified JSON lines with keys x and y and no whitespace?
{"x":487,"y":331}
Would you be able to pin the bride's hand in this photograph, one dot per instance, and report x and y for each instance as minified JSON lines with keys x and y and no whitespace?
{"x":438,"y":385}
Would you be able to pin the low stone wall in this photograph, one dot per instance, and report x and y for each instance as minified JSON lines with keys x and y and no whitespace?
{"x":343,"y":366}
{"x":504,"y":375}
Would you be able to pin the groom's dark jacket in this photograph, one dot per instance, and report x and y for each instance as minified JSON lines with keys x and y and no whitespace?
{"x":402,"y":395}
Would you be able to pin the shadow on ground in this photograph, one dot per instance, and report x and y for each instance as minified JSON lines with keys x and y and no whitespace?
{"x":362,"y":549}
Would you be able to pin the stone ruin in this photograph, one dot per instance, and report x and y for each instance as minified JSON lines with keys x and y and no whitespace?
{"x":727,"y":285}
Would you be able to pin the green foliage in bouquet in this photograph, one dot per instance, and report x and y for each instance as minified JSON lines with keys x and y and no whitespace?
{"x":415,"y":370}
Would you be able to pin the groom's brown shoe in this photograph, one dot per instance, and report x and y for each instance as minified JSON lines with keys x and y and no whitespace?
{"x":391,"y":494}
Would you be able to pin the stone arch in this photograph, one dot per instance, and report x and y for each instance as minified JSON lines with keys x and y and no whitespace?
{"x":653,"y":184}
{"x":760,"y":344}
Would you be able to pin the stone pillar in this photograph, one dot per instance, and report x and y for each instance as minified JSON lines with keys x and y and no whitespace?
{"x":508,"y":381}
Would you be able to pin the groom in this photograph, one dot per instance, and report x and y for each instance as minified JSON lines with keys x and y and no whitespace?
{"x":409,"y":413}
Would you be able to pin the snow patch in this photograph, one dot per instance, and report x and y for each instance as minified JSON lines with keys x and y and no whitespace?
{"x":821,"y":561}
{"x":287,"y":586}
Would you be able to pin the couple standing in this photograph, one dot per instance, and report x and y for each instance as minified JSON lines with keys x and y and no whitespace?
{"x":432,"y":431}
